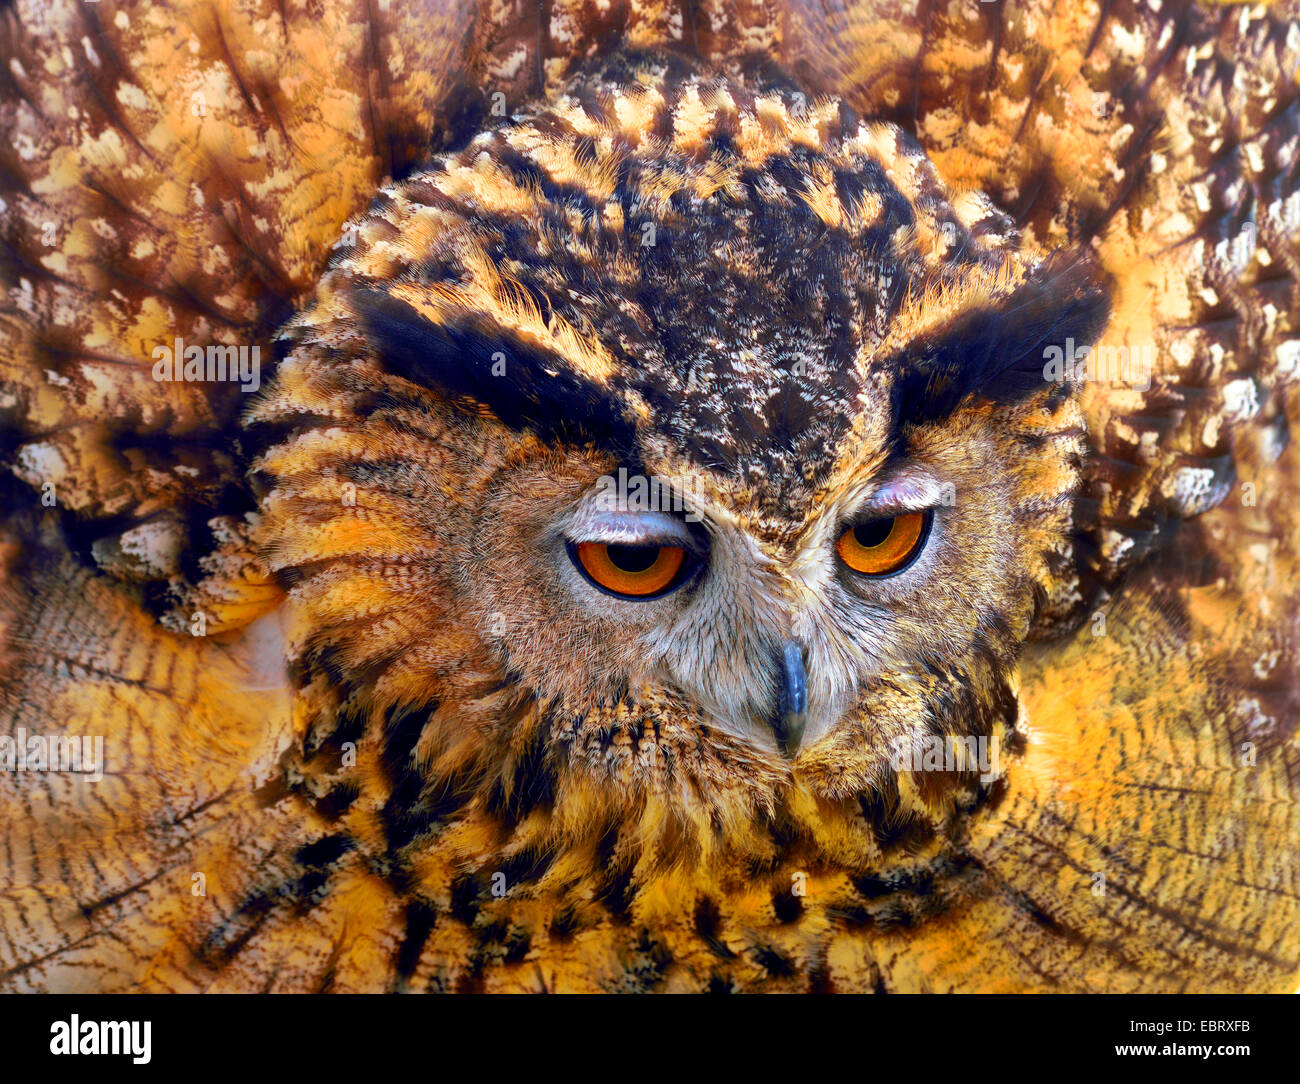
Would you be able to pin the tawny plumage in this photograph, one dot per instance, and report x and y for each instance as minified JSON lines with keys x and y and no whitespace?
{"x":956,"y":348}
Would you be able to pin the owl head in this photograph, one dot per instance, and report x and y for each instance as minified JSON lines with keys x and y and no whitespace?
{"x":676,"y":457}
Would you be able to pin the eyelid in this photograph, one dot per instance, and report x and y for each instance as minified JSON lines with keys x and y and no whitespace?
{"x":907,"y":492}
{"x":633,"y":529}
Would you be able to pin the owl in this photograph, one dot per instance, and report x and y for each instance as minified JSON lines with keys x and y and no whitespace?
{"x":649,"y":495}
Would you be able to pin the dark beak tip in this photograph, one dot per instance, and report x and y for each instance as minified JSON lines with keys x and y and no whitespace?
{"x":792,"y":699}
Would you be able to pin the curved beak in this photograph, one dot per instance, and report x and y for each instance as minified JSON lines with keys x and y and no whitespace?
{"x":791,"y":698}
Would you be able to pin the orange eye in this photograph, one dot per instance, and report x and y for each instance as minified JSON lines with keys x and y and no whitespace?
{"x":881,"y":547}
{"x":630,"y":571}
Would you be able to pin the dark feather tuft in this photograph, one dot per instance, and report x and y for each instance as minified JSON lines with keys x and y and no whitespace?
{"x":525,"y":385}
{"x":1000,"y":352}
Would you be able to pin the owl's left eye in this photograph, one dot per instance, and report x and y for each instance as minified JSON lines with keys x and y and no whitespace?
{"x":885,"y":546}
{"x":630,"y":571}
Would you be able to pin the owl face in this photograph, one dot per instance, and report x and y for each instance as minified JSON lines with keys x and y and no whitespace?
{"x":773,"y":643}
{"x":699,"y":458}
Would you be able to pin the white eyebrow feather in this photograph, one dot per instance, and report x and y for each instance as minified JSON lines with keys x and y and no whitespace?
{"x":910,"y":490}
{"x":627,"y":528}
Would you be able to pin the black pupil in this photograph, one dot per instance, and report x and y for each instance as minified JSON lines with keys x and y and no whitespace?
{"x":870,"y":535}
{"x":633,"y":558}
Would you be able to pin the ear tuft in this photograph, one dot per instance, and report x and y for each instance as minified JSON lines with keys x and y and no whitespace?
{"x":468,"y":357}
{"x":1001,"y":352}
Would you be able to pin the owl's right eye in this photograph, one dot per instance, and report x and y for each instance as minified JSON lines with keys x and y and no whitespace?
{"x":885,"y":546}
{"x":631,"y":571}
